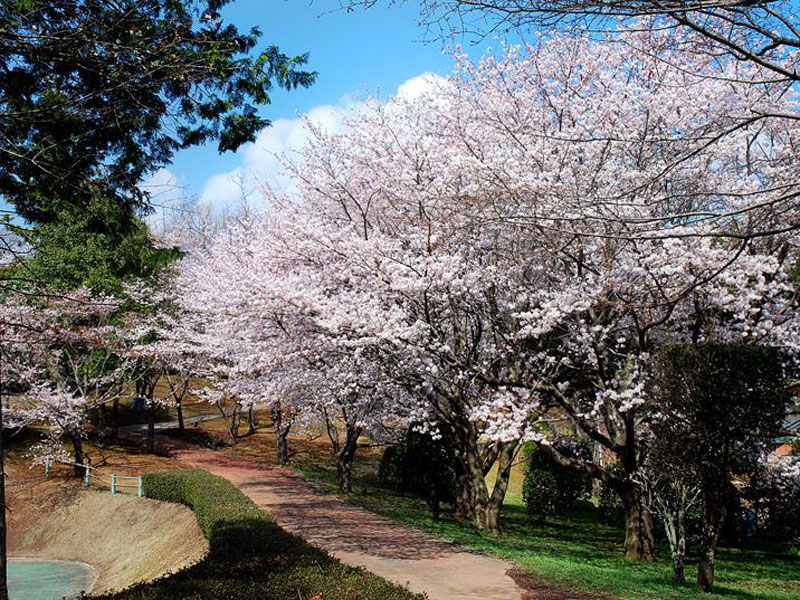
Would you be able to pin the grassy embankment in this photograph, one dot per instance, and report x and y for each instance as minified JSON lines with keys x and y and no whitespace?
{"x":250,"y":556}
{"x":580,"y":552}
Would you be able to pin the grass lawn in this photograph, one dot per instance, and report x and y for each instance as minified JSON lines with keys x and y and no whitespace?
{"x":580,"y":552}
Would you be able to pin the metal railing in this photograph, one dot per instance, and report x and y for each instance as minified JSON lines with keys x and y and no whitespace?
{"x":115,"y":482}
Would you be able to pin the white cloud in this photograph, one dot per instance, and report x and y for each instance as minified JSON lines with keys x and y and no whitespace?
{"x":164,"y":187}
{"x":415,"y":87}
{"x":167,"y":192}
{"x":223,"y":187}
{"x":260,"y":160}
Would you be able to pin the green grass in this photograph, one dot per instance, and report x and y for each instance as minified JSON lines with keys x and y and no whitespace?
{"x":580,"y":552}
{"x":250,"y":557}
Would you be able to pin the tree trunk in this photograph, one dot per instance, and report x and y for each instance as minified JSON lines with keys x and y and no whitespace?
{"x":466,"y":499}
{"x":506,"y":461}
{"x":639,"y":531}
{"x":179,"y":410}
{"x":473,"y":501}
{"x":491,"y":520}
{"x":281,"y":433}
{"x":235,"y":418}
{"x":434,"y":505}
{"x":115,"y":419}
{"x":483,"y":519}
{"x":679,"y":551}
{"x":283,"y":447}
{"x":151,"y":430}
{"x":464,"y":503}
{"x":77,"y":446}
{"x":678,"y":571}
{"x":3,"y":550}
{"x":675,"y":527}
{"x":251,"y":420}
{"x":345,"y":458}
{"x":713,"y":517}
{"x":344,"y":475}
{"x":705,"y":570}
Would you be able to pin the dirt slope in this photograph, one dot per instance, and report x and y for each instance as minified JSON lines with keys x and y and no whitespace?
{"x":127,"y":539}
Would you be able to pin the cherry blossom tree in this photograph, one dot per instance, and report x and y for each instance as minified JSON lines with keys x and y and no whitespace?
{"x":511,"y":248}
{"x":535,"y":166}
{"x":765,"y":33}
{"x":562,"y":146}
{"x":262,"y":294}
{"x":73,"y":361}
{"x":763,"y":36}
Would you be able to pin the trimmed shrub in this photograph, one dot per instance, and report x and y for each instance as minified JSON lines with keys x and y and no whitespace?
{"x":540,"y":492}
{"x":422,"y":465}
{"x":250,"y":556}
{"x":392,"y":470}
{"x":213,"y":499}
{"x":564,"y":485}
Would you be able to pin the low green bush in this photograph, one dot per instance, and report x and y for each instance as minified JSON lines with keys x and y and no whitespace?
{"x":610,"y":507}
{"x":392,"y":470}
{"x":550,"y":488}
{"x":250,"y":556}
{"x":423,"y":465}
{"x":540,"y":492}
{"x":213,"y":499}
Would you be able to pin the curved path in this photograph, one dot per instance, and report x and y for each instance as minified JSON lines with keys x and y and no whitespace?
{"x":361,"y":538}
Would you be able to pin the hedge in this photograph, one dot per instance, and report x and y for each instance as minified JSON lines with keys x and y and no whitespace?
{"x":550,"y":488}
{"x":250,"y":557}
{"x":422,"y":465}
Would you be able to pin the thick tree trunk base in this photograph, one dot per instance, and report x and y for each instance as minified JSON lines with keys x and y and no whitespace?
{"x":233,"y":432}
{"x":77,"y":446}
{"x":639,"y":530}
{"x":283,"y":450}
{"x":251,"y":421}
{"x":344,"y":474}
{"x":281,"y":435}
{"x":678,"y":571}
{"x":488,"y":521}
{"x":705,"y":573}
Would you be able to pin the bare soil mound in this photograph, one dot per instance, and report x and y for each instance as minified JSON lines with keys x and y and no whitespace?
{"x":127,"y":539}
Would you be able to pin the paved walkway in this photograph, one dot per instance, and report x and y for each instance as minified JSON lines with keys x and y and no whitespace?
{"x":361,"y":538}
{"x":161,"y":426}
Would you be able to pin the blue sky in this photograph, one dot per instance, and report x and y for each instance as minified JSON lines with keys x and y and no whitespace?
{"x":355,"y":54}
